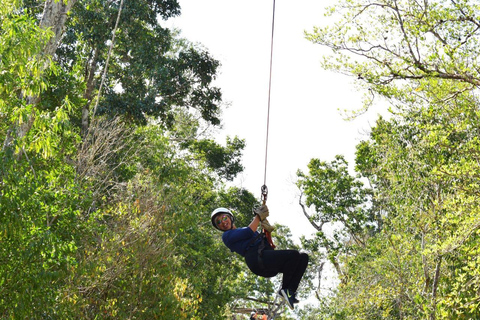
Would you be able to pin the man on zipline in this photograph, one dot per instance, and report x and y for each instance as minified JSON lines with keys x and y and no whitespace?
{"x":259,"y":255}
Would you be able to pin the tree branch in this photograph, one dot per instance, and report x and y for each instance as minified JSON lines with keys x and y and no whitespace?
{"x":316,"y":226}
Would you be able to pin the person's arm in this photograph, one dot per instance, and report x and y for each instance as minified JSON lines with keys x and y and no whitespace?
{"x":254,"y":224}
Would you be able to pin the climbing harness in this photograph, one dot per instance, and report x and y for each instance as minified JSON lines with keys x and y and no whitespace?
{"x":261,"y":247}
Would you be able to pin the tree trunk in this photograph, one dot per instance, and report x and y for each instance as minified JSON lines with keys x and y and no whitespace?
{"x":436,"y":280}
{"x":53,"y":18}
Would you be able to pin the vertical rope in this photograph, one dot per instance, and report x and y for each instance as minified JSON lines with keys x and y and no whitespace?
{"x":269,"y":92}
{"x":108,"y":59}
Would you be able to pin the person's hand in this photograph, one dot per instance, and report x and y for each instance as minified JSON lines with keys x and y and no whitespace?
{"x":261,"y":212}
{"x":266,"y":226}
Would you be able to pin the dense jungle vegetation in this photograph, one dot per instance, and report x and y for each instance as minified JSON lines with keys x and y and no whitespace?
{"x":109,"y":168}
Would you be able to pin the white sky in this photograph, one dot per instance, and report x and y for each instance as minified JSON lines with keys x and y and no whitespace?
{"x":304,"y":119}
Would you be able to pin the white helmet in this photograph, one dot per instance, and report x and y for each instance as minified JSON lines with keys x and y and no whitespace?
{"x":220,"y":211}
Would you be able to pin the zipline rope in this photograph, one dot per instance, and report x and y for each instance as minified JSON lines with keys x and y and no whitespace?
{"x":264,"y":187}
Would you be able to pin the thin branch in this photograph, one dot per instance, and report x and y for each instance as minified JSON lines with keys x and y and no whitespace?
{"x":310,"y":219}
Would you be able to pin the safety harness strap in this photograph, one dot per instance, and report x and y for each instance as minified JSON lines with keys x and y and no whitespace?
{"x":261,"y":247}
{"x":250,"y":244}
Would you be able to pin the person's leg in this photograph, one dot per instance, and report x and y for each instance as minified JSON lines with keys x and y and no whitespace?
{"x":252,"y":260}
{"x":299,"y":271}
{"x":290,"y":263}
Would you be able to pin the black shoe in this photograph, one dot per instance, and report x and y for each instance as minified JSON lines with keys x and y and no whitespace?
{"x":289,"y":297}
{"x":295,"y":300}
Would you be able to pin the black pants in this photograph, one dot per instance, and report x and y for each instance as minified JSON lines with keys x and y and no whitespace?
{"x":291,"y":263}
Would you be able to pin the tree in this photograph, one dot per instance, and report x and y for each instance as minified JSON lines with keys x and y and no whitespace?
{"x":70,"y":230}
{"x":40,"y":204}
{"x":51,"y":23}
{"x":154,"y":253}
{"x":340,"y":202}
{"x":422,"y":170}
{"x":420,"y":162}
{"x":152,"y":71}
{"x":112,"y":223}
{"x":403,"y":49}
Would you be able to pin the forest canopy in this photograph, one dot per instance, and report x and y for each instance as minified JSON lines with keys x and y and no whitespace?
{"x":406,"y":241}
{"x":105,"y":195}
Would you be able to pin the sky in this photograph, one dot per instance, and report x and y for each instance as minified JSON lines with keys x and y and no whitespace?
{"x":305,"y":101}
{"x":305,"y":121}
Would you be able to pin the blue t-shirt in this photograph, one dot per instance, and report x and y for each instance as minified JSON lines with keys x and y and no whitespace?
{"x":238,"y":240}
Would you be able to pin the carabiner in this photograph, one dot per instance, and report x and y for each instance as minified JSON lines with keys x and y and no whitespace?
{"x":264,"y":194}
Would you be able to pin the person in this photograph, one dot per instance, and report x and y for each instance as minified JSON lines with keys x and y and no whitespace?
{"x":263,"y":316}
{"x":259,"y":255}
{"x":253,"y":315}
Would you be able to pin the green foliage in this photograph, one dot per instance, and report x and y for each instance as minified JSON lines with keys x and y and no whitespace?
{"x":224,"y":160}
{"x":152,"y":72}
{"x":421,"y":162}
{"x":403,"y":47}
{"x":41,"y":225}
{"x":337,"y":196}
{"x":108,"y":217}
{"x":21,"y":66}
{"x":41,"y":206}
{"x":340,"y":202}
{"x":21,"y":42}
